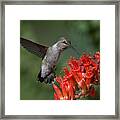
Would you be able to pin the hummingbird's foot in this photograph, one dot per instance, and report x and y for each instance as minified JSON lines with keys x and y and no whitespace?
{"x":50,"y":78}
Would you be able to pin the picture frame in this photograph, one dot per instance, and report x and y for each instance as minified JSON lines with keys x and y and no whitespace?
{"x":3,"y":66}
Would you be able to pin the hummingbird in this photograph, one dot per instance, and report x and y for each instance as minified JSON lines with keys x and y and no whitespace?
{"x":49,"y":55}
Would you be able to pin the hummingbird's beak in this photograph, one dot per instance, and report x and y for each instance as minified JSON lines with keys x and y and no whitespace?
{"x":75,"y":50}
{"x":69,"y":42}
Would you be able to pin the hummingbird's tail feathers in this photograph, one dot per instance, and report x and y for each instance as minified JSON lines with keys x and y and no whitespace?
{"x":41,"y":79}
{"x":37,"y":49}
{"x":48,"y":79}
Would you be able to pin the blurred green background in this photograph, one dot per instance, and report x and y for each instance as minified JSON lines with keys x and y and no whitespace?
{"x":84,"y":36}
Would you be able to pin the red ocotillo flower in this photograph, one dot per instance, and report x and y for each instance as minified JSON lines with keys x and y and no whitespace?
{"x":79,"y":81}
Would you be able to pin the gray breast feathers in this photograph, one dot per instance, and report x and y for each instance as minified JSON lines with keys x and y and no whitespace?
{"x":49,"y":61}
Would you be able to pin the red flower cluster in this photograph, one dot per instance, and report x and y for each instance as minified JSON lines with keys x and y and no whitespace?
{"x":79,"y":80}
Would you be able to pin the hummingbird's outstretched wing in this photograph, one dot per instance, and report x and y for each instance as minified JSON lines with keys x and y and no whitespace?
{"x":37,"y":49}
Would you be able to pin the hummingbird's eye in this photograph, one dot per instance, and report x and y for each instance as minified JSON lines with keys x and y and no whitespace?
{"x":65,"y":42}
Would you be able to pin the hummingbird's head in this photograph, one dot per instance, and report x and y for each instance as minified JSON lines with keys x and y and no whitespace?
{"x":63,"y":43}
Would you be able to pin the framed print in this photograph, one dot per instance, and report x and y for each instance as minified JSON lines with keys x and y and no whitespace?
{"x":60,"y":60}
